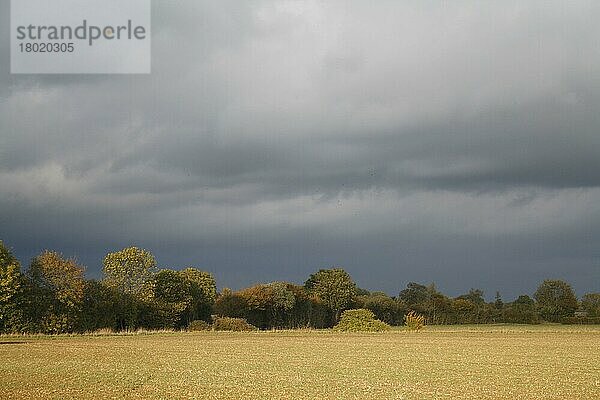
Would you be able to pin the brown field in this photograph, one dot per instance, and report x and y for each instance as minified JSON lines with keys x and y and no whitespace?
{"x":467,"y":362}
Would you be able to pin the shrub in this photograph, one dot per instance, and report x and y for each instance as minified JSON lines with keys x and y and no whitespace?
{"x":580,"y":320}
{"x":232,"y":324}
{"x":414,"y":321}
{"x":198,"y":325}
{"x":360,"y":320}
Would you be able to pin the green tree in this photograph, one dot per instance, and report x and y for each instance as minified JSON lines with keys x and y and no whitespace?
{"x":172,"y":297}
{"x":383,"y":306}
{"x":58,"y":285}
{"x":498,"y":303}
{"x":438,"y":307}
{"x":475,"y":296}
{"x":524,"y":300}
{"x":100,"y":308}
{"x":555,"y":300}
{"x":171,"y":287}
{"x":591,"y":304}
{"x":281,"y":303}
{"x":464,"y":310}
{"x":189,"y":293}
{"x":11,"y":292}
{"x":334,"y":287}
{"x":521,"y":311}
{"x":426,"y":300}
{"x":203,"y":292}
{"x":414,"y":294}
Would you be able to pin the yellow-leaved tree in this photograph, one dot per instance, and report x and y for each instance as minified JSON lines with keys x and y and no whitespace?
{"x":58,"y":284}
{"x":130,"y":272}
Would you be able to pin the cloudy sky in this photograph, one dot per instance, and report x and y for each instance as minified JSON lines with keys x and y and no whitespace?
{"x":453,"y":142}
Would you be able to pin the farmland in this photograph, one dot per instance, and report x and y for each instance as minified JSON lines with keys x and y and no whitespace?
{"x":470,"y":362}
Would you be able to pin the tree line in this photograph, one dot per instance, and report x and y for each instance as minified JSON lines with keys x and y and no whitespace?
{"x":53,"y":296}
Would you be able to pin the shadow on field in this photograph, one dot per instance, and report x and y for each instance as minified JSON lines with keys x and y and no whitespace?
{"x":1,"y":343}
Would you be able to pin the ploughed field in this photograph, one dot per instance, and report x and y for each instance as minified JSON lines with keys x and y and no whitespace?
{"x":465,"y":362}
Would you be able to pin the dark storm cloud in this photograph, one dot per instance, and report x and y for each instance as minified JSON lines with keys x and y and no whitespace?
{"x":417,"y":141}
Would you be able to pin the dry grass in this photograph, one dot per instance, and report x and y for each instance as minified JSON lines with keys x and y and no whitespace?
{"x":470,"y":362}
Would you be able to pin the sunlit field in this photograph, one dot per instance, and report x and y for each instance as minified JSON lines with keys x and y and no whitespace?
{"x":467,"y":362}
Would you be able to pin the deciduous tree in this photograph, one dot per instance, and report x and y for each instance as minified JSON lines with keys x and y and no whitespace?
{"x":591,"y":304}
{"x":555,"y":300}
{"x":334,"y":287}
{"x":130,"y":273}
{"x":58,"y":286}
{"x":11,"y":291}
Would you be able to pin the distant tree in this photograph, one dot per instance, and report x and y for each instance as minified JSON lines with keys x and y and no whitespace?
{"x":172,"y":295}
{"x":171,"y":287}
{"x":268,"y":305}
{"x":475,"y":296}
{"x":383,"y":306}
{"x":428,"y":301}
{"x":12,"y":287}
{"x":308,"y":311}
{"x":230,"y":304}
{"x":100,"y":308}
{"x":283,"y":301}
{"x":414,"y":294}
{"x":465,"y":310}
{"x":438,"y":307}
{"x":555,"y":300}
{"x":521,"y":311}
{"x":130,"y":273}
{"x":524,"y":300}
{"x":274,"y":305}
{"x":58,"y":286}
{"x":189,"y":294}
{"x":334,"y":287}
{"x":591,"y":304}
{"x":256,"y":305}
{"x":498,"y":303}
{"x":203,"y":292}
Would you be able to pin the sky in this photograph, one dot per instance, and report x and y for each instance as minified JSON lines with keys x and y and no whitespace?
{"x":448,"y":142}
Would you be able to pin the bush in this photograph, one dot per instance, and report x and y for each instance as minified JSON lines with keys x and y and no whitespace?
{"x":360,"y":320}
{"x":580,"y":320}
{"x":414,"y":321}
{"x":232,"y":324}
{"x":198,"y":325}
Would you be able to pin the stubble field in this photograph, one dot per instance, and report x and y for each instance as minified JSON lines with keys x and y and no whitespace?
{"x":467,"y":362}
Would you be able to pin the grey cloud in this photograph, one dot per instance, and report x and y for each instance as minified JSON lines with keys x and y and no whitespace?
{"x":408,"y":141}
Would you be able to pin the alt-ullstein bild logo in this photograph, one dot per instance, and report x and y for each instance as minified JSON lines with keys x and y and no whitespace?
{"x":80,"y":36}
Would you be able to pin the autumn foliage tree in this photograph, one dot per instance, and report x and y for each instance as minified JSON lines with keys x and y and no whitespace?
{"x":58,"y":284}
{"x":130,"y":272}
{"x":54,"y":297}
{"x":11,"y":292}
